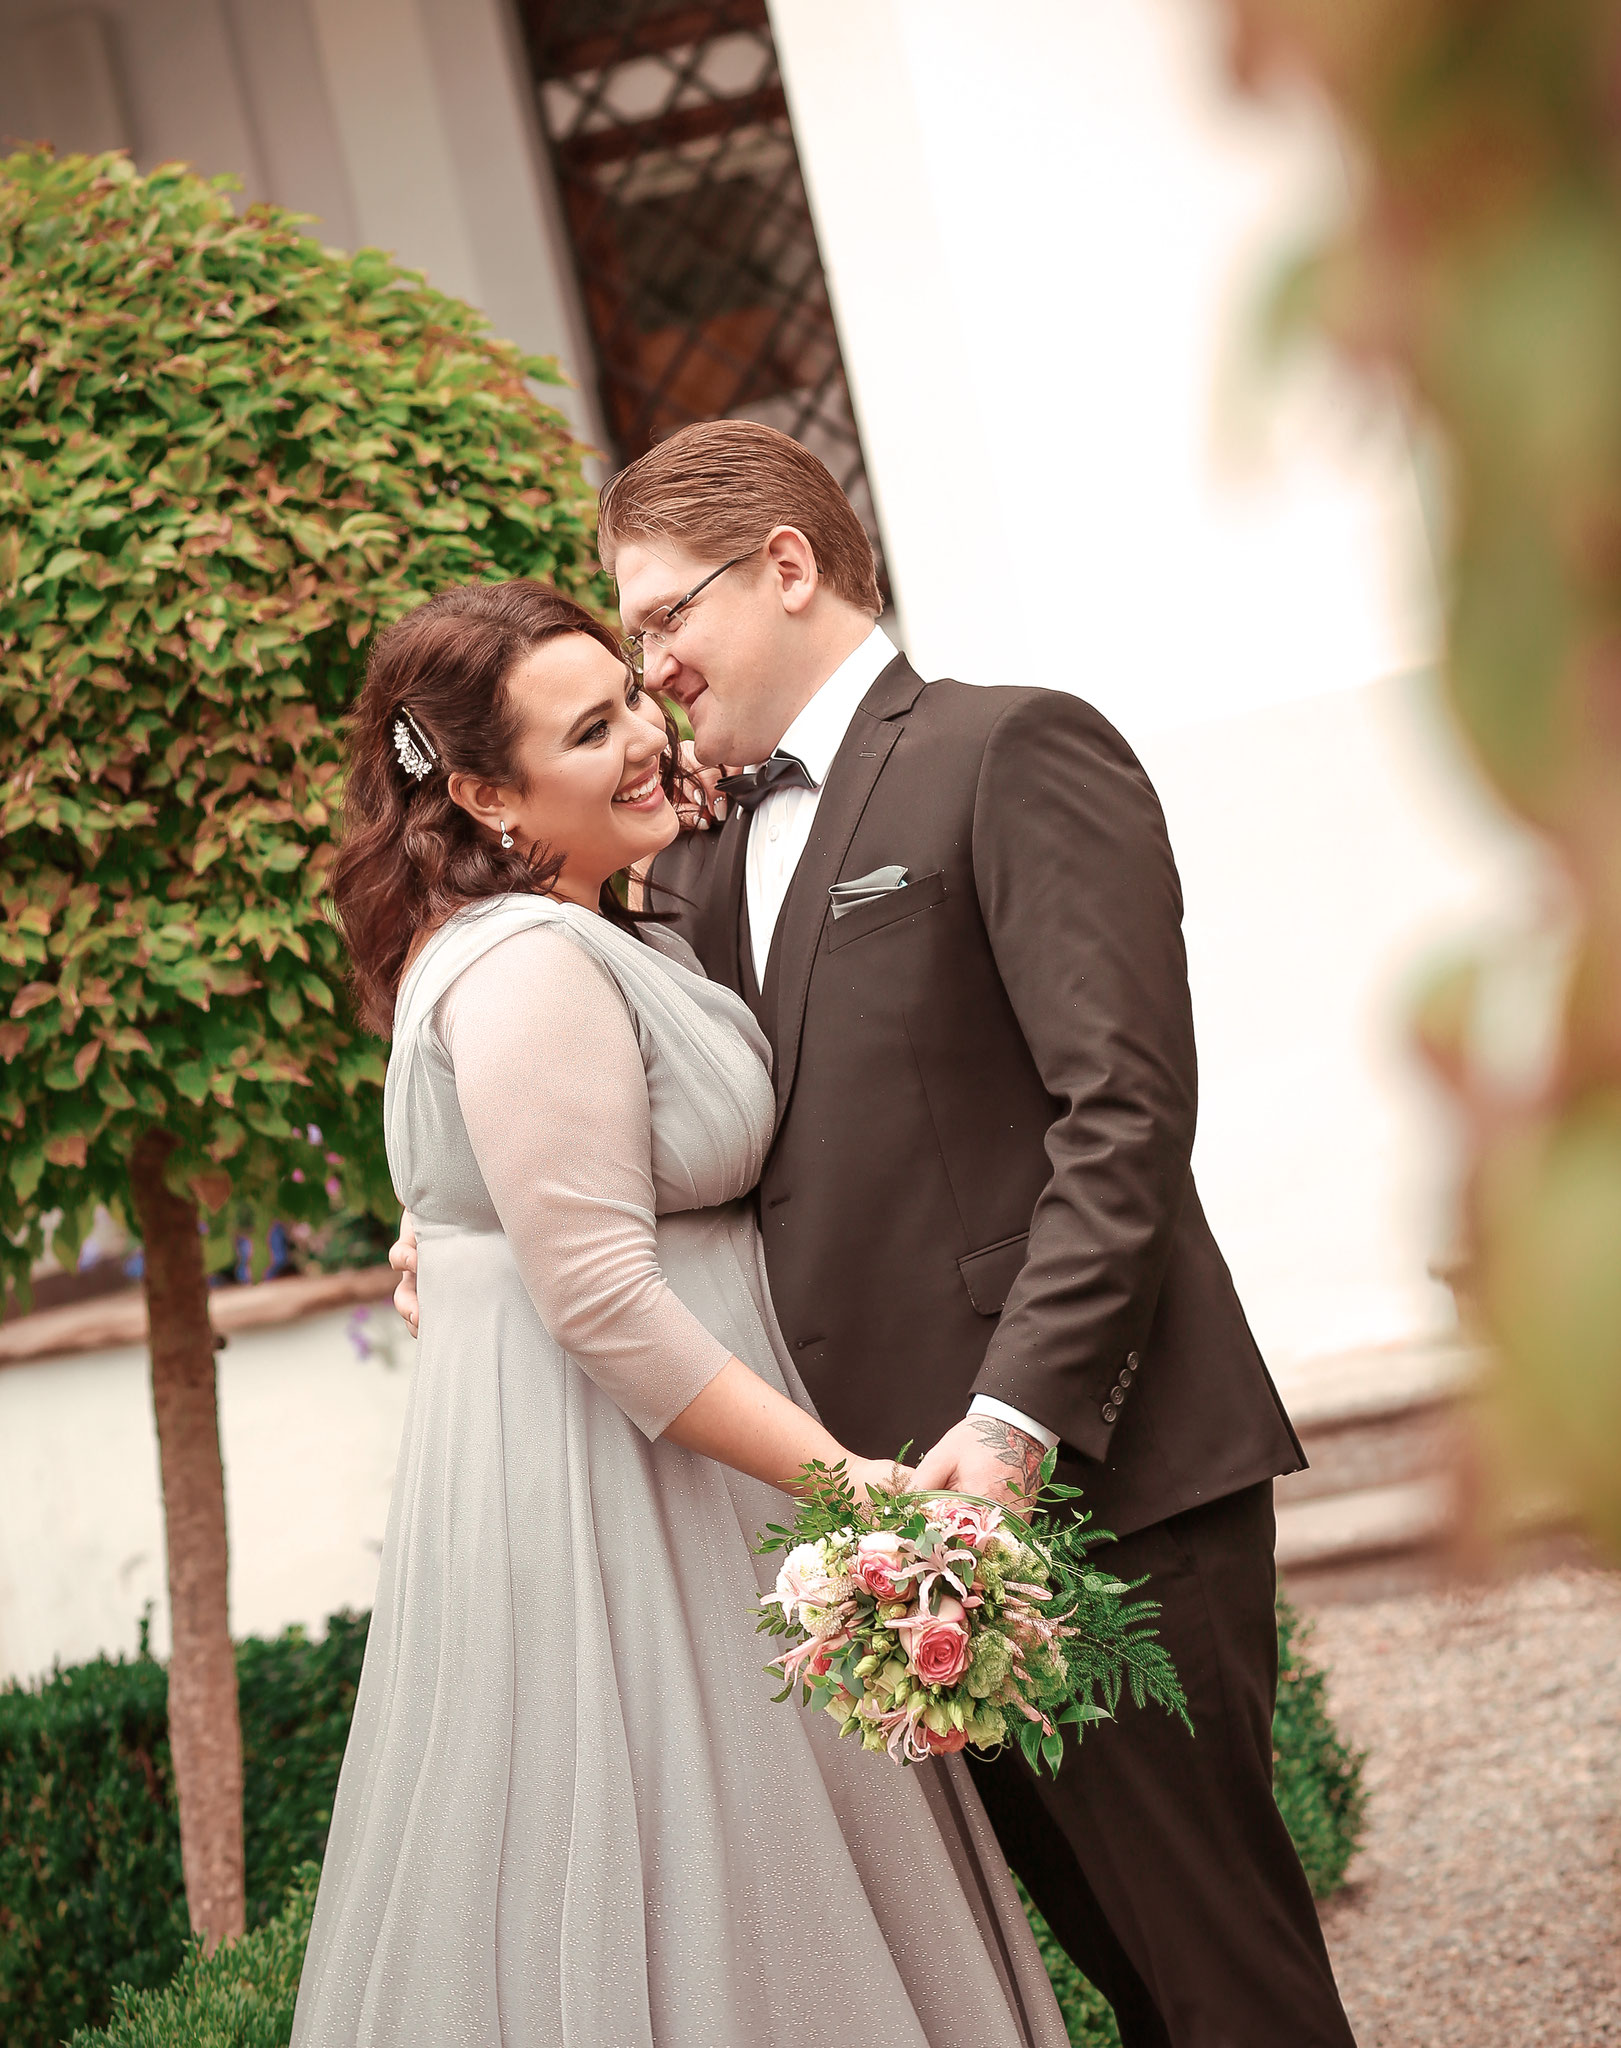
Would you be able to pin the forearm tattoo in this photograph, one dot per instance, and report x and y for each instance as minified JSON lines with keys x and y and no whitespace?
{"x":1021,"y":1454}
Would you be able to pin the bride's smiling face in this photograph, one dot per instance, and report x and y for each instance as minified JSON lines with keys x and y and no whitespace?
{"x":588,"y":766}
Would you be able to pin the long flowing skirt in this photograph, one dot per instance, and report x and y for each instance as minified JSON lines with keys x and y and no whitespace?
{"x":569,"y":1813}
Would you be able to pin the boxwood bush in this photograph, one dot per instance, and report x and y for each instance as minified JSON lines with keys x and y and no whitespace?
{"x":91,"y":1895}
{"x":1316,"y":1778}
{"x":242,"y":1996}
{"x":92,"y":1909}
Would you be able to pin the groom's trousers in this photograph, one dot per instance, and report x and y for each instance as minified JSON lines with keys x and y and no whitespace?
{"x":1159,"y":1859}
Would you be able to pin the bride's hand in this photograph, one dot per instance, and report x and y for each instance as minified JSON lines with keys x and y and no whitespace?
{"x":877,"y":1475}
{"x":692,"y":817}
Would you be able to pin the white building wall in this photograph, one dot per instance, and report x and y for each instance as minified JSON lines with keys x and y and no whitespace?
{"x":1047,"y":228}
{"x":309,"y":1431}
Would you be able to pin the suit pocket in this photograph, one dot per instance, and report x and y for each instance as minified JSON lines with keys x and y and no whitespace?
{"x":989,"y":1273}
{"x":922,"y":894}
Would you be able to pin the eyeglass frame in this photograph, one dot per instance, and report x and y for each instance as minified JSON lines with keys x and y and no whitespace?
{"x":633,"y":641}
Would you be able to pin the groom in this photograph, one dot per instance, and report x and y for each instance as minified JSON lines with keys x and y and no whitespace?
{"x":980,"y":1228}
{"x":955,"y":914}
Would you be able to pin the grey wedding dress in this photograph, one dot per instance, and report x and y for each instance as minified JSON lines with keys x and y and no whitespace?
{"x":569,"y":1815}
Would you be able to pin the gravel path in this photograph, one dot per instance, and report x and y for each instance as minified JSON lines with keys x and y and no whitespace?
{"x":1485,"y":1909}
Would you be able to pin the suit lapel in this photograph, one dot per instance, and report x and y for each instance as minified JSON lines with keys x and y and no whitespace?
{"x":850,"y":782}
{"x":719,"y":904}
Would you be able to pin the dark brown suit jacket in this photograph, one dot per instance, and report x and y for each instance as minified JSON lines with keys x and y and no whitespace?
{"x":986,"y":1097}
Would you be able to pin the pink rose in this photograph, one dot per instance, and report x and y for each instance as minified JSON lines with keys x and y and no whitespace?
{"x":947,"y":1744}
{"x":879,"y":1556}
{"x":939,"y":1645}
{"x":965,"y":1521}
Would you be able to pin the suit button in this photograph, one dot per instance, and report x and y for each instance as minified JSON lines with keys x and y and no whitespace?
{"x":1132,"y":1361}
{"x":1118,"y":1393}
{"x":1110,"y":1411}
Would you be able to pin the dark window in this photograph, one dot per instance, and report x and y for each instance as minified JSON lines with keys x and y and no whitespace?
{"x":697,"y":258}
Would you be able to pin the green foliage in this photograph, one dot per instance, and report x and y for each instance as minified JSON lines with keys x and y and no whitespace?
{"x":91,"y":1894}
{"x":90,"y":1887}
{"x":1478,"y":272}
{"x":242,"y":1996}
{"x":227,"y":455}
{"x":90,"y":1883}
{"x":1317,"y":1780}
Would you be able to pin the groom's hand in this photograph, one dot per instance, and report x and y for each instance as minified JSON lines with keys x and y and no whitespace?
{"x":402,"y":1257}
{"x":983,"y":1455}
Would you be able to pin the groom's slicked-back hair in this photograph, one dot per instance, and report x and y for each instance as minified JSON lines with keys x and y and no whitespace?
{"x":717,"y":489}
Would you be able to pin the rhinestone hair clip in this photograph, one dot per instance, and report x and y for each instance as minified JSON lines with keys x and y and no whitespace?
{"x":417,"y":757}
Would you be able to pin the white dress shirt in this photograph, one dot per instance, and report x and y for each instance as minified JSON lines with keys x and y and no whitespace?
{"x":781,"y":825}
{"x":780,"y":829}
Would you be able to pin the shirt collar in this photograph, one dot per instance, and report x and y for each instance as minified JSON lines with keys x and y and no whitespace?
{"x":818,"y":732}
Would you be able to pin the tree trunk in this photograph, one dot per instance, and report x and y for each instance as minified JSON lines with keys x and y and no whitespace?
{"x":205,"y":1736}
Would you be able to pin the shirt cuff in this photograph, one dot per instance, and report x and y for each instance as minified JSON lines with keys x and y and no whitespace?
{"x":987,"y":1404}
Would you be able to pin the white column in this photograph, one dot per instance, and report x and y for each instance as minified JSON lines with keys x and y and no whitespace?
{"x":392,"y":132}
{"x":433,"y":113}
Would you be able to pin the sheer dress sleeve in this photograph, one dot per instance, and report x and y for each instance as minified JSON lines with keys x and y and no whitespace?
{"x":551,"y":1086}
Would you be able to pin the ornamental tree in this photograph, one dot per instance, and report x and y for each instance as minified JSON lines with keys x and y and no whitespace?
{"x":227,"y":455}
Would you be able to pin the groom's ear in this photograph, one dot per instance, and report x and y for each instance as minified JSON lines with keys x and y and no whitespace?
{"x":791,"y":563}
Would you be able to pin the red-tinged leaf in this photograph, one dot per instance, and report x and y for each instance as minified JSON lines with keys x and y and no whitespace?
{"x":228,"y":1139}
{"x":84,"y":1059}
{"x":315,"y":420}
{"x":13,"y":1037}
{"x":31,"y":995}
{"x":285,"y":1007}
{"x":212,"y":1190}
{"x":233,"y":981}
{"x":67,"y":1150}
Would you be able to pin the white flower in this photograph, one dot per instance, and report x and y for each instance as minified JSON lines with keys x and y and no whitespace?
{"x":809,"y":1582}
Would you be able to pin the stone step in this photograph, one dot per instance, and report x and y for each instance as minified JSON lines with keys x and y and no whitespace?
{"x":1379,"y":1510}
{"x":1373,"y":1521}
{"x":1381,"y":1429}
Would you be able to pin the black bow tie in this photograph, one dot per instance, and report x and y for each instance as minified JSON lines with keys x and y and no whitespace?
{"x":754,"y":785}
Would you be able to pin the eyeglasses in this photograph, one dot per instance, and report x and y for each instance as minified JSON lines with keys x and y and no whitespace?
{"x":669,"y":617}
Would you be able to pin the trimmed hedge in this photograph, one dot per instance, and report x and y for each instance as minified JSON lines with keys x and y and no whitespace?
{"x":91,"y":1893}
{"x":1316,"y":1779}
{"x":92,"y":1912}
{"x":242,"y":1996}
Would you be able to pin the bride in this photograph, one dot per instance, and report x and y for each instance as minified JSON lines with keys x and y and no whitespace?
{"x":568,"y":1812}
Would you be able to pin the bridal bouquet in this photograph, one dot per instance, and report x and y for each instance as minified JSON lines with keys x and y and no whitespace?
{"x":928,"y":1622}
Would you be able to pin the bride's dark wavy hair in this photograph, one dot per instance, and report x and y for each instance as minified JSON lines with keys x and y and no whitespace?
{"x":409,"y":856}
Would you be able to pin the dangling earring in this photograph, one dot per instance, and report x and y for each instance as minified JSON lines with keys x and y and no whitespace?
{"x":506,"y":836}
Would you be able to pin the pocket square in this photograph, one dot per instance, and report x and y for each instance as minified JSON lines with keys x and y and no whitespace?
{"x":881,"y":882}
